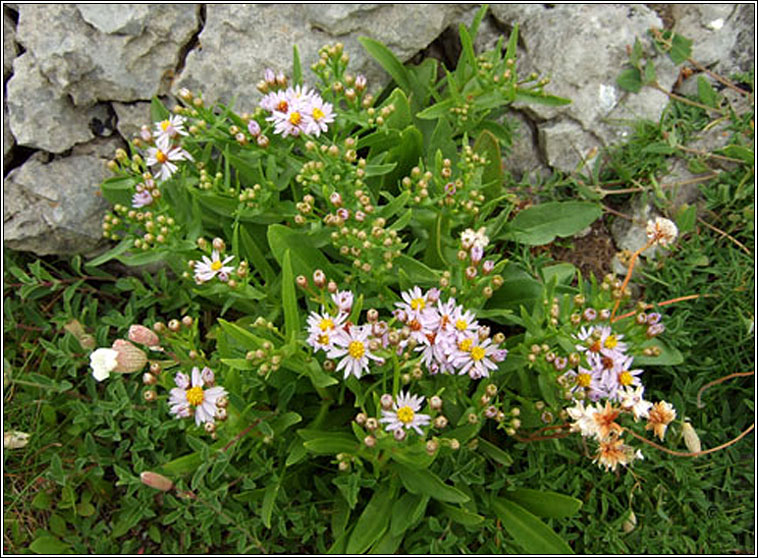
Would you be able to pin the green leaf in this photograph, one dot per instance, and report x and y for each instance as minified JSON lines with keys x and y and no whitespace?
{"x":250,"y":250}
{"x":545,"y":503}
{"x":492,"y":176}
{"x":305,"y":257}
{"x":525,"y":96}
{"x":706,"y":93}
{"x":740,"y":152}
{"x":527,"y":530}
{"x":416,"y":271}
{"x":461,"y":515}
{"x":630,"y":80}
{"x":158,"y":110}
{"x":387,"y":60}
{"x":650,"y":76}
{"x":437,"y":110}
{"x":49,"y":545}
{"x":42,"y":501}
{"x":563,"y":273}
{"x":372,"y":522}
{"x":401,"y":116}
{"x":268,"y":503}
{"x":636,"y":55}
{"x":669,"y":356}
{"x":540,"y":224}
{"x":387,"y":545}
{"x":686,"y":218}
{"x":333,"y":444}
{"x":289,"y":300}
{"x":442,"y":140}
{"x":297,"y":70}
{"x":120,"y":189}
{"x":681,"y":49}
{"x":406,"y":511}
{"x":493,"y":452}
{"x":429,"y":484}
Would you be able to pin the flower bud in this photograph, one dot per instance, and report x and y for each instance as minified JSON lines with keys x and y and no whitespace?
{"x":370,"y":441}
{"x":174,"y":325}
{"x":130,"y":358}
{"x":432,"y":446}
{"x":454,"y":444}
{"x":319,"y":279}
{"x":440,"y":422}
{"x":435,"y":402}
{"x":150,"y":395}
{"x":399,"y":434}
{"x":386,"y":401}
{"x":372,"y":424}
{"x":148,"y":379}
{"x":360,"y":418}
{"x":154,"y":480}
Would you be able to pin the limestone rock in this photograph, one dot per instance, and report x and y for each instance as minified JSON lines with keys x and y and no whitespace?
{"x":39,"y":116}
{"x":713,"y":28}
{"x":582,"y":49}
{"x":10,"y":48}
{"x":131,"y":117}
{"x":117,"y":19}
{"x":523,"y":159}
{"x":8,"y":140}
{"x":239,"y":41}
{"x":566,"y":144}
{"x":101,"y":52}
{"x":54,"y":207}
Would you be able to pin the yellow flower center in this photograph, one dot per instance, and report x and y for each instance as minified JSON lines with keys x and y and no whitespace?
{"x":611,"y":342}
{"x":625,"y":379}
{"x":583,"y":380}
{"x":318,"y":114}
{"x":418,"y":303}
{"x":165,"y":124}
{"x":465,"y":345}
{"x":160,"y":156}
{"x":405,"y":415}
{"x":215,"y":266}
{"x":195,"y":396}
{"x":477,"y":353}
{"x":326,"y":323}
{"x":323,"y":339}
{"x":461,"y":325}
{"x":295,"y":118}
{"x":356,"y":349}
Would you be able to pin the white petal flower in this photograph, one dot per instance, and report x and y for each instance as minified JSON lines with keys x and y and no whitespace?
{"x":185,"y":400}
{"x":404,"y":414}
{"x":352,"y":347}
{"x":208,"y":268}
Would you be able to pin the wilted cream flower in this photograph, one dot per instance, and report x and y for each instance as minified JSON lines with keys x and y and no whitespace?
{"x":15,"y":439}
{"x":660,"y":417}
{"x":662,"y":231}
{"x":154,"y":480}
{"x":129,"y":357}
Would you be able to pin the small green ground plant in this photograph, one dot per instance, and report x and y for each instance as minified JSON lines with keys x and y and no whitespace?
{"x":366,"y":357}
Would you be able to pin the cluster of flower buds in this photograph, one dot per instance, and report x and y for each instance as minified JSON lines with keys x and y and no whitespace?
{"x":147,"y":228}
{"x":266,"y":357}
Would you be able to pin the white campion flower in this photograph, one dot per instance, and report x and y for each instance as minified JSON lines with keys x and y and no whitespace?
{"x":103,"y":361}
{"x":662,"y":231}
{"x":405,"y":414}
